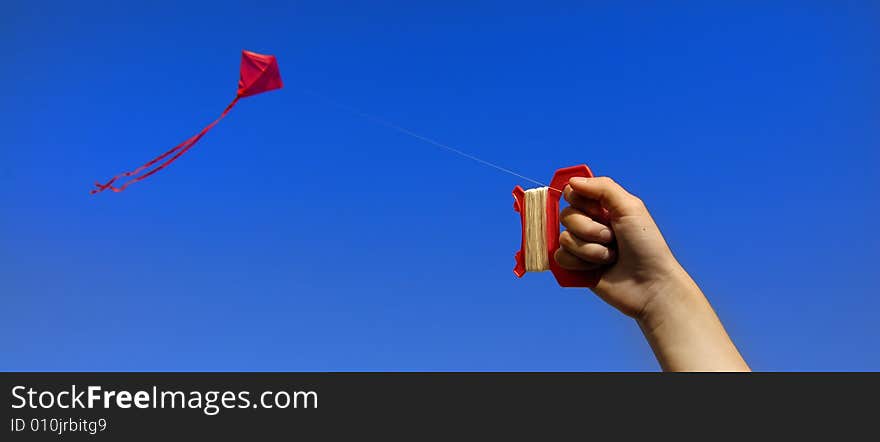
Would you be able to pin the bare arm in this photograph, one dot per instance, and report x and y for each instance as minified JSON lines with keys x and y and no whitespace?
{"x":607,"y":226}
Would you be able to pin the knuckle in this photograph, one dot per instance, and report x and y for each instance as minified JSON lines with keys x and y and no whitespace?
{"x":636,"y":203}
{"x":567,"y":212}
{"x":630,"y":204}
{"x":605,"y":180}
{"x":567,"y":240}
{"x":564,"y":238}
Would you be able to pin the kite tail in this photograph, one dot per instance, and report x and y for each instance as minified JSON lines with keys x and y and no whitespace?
{"x":180,"y":149}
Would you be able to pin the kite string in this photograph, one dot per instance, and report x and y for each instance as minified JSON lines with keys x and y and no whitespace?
{"x":406,"y":131}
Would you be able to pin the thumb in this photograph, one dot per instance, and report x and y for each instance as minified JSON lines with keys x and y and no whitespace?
{"x":613,"y":198}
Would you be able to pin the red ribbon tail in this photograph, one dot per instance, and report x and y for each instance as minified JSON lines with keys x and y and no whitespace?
{"x":177,"y":151}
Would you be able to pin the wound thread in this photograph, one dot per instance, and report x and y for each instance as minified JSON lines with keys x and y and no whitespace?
{"x":536,"y":230}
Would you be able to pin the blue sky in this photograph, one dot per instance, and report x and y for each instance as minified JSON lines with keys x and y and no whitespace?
{"x":296,"y":236}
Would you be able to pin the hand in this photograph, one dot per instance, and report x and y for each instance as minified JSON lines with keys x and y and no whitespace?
{"x":638,"y":263}
{"x":610,"y":228}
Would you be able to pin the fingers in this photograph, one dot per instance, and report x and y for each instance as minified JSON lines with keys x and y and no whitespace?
{"x":568,"y":261}
{"x":583,"y":227}
{"x":585,"y":243}
{"x":592,"y":208}
{"x":590,"y":252}
{"x":609,"y":194}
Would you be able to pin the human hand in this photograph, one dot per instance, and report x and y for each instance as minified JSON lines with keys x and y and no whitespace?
{"x":609,"y":227}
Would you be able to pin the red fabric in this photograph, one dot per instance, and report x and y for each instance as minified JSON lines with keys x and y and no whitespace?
{"x":258,"y":73}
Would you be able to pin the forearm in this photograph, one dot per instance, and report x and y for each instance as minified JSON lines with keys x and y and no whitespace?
{"x":684,"y":331}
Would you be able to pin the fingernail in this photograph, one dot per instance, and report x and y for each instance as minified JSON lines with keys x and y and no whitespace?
{"x":605,"y":235}
{"x":577,"y":180}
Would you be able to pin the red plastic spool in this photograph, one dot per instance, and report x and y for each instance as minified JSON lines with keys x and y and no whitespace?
{"x":565,"y":278}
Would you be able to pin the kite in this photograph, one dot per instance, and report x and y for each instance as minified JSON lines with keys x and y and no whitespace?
{"x":539,"y":214}
{"x":259,"y":73}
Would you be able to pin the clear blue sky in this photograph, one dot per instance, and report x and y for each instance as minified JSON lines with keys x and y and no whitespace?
{"x":296,"y":236}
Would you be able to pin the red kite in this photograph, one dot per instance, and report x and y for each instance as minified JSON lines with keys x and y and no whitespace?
{"x":259,"y":73}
